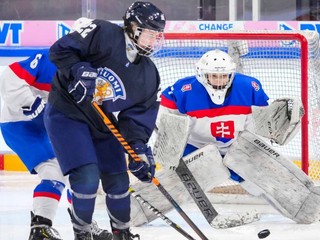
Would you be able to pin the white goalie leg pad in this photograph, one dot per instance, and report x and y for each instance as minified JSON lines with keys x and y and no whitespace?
{"x":211,"y":159}
{"x":280,"y":121}
{"x":172,"y":136}
{"x":284,"y":185}
{"x":205,"y":165}
{"x":310,"y":210}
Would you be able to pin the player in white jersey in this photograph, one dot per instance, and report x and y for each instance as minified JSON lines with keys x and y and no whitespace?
{"x":218,"y":101}
{"x":227,"y":111}
{"x":24,"y":89}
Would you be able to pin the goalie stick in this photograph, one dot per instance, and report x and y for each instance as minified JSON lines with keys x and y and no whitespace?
{"x":209,"y":212}
{"x":195,"y":191}
{"x":159,"y":214}
{"x":131,"y":152}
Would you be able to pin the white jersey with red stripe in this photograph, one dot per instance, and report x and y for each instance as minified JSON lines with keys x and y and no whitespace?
{"x":212,"y":123}
{"x":21,"y":82}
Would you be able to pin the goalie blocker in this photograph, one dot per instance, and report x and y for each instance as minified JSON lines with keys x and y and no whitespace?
{"x":274,"y":177}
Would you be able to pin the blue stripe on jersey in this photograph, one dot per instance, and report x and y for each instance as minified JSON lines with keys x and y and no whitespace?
{"x":49,"y":188}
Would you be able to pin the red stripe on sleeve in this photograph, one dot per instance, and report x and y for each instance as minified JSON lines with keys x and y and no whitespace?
{"x":168,"y":103}
{"x":42,"y":86}
{"x":22,"y":73}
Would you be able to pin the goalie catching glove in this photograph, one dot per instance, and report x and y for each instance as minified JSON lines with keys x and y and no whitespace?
{"x":280,"y":121}
{"x":145,"y":169}
{"x":83,"y":86}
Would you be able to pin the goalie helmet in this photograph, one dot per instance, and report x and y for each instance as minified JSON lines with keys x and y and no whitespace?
{"x":215,"y":71}
{"x":145,"y":15}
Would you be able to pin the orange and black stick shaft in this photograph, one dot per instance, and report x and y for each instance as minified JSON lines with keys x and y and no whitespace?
{"x":116,"y":133}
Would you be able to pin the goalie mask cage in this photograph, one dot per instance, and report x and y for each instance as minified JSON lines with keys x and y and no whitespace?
{"x":286,"y":62}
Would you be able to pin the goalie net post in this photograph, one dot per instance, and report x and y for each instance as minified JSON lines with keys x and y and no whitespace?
{"x":286,"y":62}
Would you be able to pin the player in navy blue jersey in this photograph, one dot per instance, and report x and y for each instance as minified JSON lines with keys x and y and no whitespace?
{"x":24,"y":88}
{"x":85,"y":148}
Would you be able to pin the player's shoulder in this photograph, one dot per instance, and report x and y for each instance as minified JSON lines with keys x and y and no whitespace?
{"x":183,"y":83}
{"x":184,"y":88}
{"x":38,"y":59}
{"x":37,"y":62}
{"x":107,"y":26}
{"x":246,"y":81}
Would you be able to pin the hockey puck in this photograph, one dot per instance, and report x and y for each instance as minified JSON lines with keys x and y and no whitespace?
{"x":264,"y":233}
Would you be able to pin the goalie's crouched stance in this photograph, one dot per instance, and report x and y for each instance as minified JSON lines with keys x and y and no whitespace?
{"x":265,"y":172}
{"x":274,"y":177}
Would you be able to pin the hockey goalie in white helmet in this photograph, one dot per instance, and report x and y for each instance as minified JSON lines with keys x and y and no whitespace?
{"x":215,"y":71}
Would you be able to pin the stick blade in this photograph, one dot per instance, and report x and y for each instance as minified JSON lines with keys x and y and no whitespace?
{"x":235,"y":220}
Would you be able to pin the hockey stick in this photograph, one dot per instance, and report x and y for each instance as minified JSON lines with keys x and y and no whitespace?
{"x":159,"y":214}
{"x":132,"y":154}
{"x":211,"y":215}
{"x":195,"y":191}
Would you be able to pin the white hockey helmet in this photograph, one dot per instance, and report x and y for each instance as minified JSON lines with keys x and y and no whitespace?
{"x":216,"y":63}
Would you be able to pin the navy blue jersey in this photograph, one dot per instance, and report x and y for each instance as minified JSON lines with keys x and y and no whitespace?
{"x":102,"y":44}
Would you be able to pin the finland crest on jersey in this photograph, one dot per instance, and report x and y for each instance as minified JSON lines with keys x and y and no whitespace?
{"x":108,"y":86}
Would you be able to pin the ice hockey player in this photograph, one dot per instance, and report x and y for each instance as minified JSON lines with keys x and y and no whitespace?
{"x":24,"y":89}
{"x":85,"y":148}
{"x":228,"y":111}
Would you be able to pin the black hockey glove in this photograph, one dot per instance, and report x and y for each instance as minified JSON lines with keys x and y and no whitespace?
{"x":83,"y":86}
{"x":145,"y":169}
{"x":35,"y":109}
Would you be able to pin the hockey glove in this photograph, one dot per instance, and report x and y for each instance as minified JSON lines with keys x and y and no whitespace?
{"x":84,"y":83}
{"x":145,"y":169}
{"x":35,"y":109}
